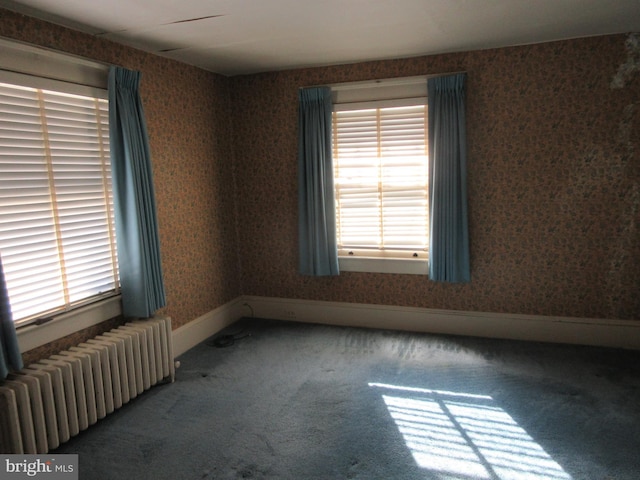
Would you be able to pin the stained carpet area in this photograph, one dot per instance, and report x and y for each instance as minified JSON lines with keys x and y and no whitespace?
{"x":276,"y":400}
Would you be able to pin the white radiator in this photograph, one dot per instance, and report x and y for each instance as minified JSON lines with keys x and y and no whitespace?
{"x":48,"y":402}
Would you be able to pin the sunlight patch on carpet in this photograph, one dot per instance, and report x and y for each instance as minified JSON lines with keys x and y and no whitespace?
{"x":463,"y":436}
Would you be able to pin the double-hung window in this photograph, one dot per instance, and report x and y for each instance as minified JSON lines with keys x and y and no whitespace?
{"x":57,"y":235}
{"x":380,"y":157}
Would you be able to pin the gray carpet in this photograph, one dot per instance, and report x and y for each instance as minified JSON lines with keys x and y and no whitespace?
{"x":296,"y":401}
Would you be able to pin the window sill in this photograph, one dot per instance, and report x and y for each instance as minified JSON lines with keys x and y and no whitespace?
{"x":32,"y":336}
{"x":409,"y":266}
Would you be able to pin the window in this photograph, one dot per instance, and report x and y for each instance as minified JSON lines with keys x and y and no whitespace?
{"x":380,"y":156}
{"x":57,"y":236}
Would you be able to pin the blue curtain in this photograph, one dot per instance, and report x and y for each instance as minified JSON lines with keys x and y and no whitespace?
{"x":134,"y":199}
{"x":449,"y":236}
{"x":10,"y":357}
{"x":316,"y":204}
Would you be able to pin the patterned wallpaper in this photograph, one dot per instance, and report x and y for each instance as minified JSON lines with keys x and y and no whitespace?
{"x":554,"y":192}
{"x":187,"y":112}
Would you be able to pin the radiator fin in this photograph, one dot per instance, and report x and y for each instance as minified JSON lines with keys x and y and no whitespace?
{"x":48,"y":405}
{"x":56,"y":398}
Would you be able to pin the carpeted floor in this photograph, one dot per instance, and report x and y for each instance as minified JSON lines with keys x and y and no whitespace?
{"x":295,"y":401}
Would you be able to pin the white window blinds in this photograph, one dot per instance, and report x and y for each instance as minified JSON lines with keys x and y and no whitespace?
{"x":57,"y":237}
{"x":380,"y":161}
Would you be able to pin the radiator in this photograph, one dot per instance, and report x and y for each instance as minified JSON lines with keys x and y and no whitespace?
{"x":48,"y":402}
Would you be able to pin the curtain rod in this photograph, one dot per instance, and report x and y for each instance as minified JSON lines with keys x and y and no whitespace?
{"x":23,"y":58}
{"x":54,"y":54}
{"x":47,"y":52}
{"x":382,"y":81}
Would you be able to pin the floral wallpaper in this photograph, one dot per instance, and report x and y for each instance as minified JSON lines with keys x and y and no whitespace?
{"x":187,"y":112}
{"x":554,"y":194}
{"x":554,"y":178}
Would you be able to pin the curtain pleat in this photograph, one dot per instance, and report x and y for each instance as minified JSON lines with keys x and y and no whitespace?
{"x":449,"y":236}
{"x":10,"y":356}
{"x":134,"y":199}
{"x":318,"y":253}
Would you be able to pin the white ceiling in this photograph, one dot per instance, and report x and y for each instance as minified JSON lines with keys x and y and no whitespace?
{"x":233,"y":37}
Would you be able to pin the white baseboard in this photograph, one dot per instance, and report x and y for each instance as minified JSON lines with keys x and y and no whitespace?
{"x":189,"y":335}
{"x":537,"y":328}
{"x":582,"y":331}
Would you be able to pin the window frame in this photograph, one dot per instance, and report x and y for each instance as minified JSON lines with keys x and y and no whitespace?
{"x":39,"y":67}
{"x":381,"y":94}
{"x":62,"y":200}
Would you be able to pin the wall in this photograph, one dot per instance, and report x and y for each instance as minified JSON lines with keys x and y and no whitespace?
{"x":553,"y":178}
{"x":187,"y":111}
{"x":554,"y":193}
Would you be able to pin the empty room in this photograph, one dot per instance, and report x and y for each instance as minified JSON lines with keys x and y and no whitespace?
{"x":345,"y":239}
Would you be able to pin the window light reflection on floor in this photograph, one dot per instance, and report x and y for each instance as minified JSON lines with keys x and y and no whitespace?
{"x":462,"y":436}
